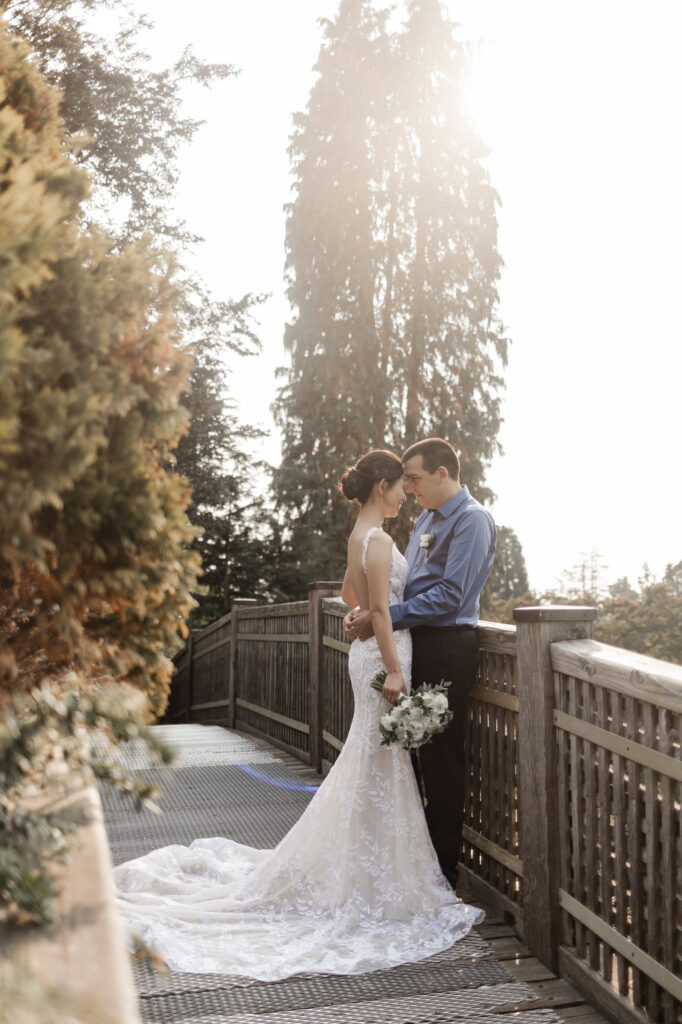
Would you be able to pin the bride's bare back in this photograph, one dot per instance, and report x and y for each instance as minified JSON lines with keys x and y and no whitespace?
{"x":358,"y":578}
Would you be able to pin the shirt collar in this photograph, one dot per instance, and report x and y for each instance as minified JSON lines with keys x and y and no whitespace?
{"x":452,"y":504}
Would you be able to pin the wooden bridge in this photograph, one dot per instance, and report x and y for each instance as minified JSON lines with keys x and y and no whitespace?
{"x":572,"y":833}
{"x":227,"y":783}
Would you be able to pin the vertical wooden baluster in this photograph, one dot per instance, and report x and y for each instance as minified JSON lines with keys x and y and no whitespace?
{"x":605,"y":805}
{"x":653,"y":861}
{"x":635,"y":846}
{"x":564,"y":783}
{"x":484,"y":763}
{"x":591,"y":861}
{"x":578,"y":815}
{"x":668,"y":879}
{"x":620,"y":823}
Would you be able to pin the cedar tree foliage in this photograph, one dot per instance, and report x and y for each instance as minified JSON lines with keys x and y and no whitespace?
{"x":392,"y":270}
{"x":128,"y":119}
{"x":95,"y":568}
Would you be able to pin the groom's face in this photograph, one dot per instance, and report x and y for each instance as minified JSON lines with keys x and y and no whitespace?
{"x":425,"y":486}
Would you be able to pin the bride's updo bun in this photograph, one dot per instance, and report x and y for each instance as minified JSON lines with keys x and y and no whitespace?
{"x":358,"y":480}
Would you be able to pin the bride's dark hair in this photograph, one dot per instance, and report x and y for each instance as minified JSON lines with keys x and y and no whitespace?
{"x":358,"y":480}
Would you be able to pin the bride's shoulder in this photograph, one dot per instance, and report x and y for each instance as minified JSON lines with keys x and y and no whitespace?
{"x":377,"y":540}
{"x":376,"y":534}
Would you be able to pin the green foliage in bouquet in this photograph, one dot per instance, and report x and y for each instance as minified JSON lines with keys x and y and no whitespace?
{"x":415,"y":718}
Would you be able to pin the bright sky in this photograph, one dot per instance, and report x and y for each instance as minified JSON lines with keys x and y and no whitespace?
{"x":580,"y":104}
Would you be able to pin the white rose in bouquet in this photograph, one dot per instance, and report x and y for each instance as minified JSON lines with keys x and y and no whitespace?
{"x":440,"y":702}
{"x":416,"y":717}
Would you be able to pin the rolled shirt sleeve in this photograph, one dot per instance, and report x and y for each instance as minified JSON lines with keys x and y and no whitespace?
{"x":454,"y":598}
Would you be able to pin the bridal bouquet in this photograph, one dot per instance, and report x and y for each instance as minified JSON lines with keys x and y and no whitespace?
{"x":416,"y":717}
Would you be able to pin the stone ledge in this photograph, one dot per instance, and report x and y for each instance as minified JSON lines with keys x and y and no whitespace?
{"x":81,"y":958}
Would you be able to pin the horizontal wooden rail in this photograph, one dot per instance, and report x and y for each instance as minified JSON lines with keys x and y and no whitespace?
{"x":213,"y":647}
{"x":336,"y":645}
{"x":332,"y":740}
{"x":335,"y":606}
{"x":497,"y":637}
{"x":273,"y":611}
{"x":637,"y":957}
{"x":274,"y":715}
{"x":213,"y":626}
{"x":284,"y":638}
{"x":637,"y":752}
{"x":490,"y":848}
{"x":210,"y":704}
{"x":497,"y":697}
{"x":634,"y":675}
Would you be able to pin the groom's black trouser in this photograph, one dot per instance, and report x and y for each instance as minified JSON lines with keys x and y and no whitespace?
{"x":449,"y":653}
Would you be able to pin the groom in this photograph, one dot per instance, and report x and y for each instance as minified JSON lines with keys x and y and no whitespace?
{"x":449,"y":555}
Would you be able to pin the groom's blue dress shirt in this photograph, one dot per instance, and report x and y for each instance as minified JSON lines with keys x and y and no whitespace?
{"x":443,"y":588}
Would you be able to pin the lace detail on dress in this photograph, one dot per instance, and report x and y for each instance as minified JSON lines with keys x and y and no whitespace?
{"x":365,"y":544}
{"x":355,"y":885}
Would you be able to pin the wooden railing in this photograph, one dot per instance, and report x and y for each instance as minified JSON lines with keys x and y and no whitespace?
{"x":572,"y":818}
{"x":617,"y":718}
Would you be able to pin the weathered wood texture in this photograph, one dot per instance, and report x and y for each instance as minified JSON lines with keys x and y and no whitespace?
{"x":620,"y":847}
{"x":572,"y":816}
{"x":176,"y":709}
{"x":273,"y":674}
{"x":490,"y":847}
{"x":536,"y":629}
{"x":337,"y":703}
{"x":318,"y":593}
{"x":210,"y":672}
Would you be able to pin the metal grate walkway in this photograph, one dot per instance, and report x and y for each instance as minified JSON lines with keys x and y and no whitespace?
{"x":224,"y":783}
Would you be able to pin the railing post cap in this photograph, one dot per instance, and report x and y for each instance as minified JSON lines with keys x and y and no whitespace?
{"x":556,"y":613}
{"x":325,"y":585}
{"x":243,"y":600}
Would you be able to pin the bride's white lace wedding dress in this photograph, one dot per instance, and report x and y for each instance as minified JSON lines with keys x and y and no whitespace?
{"x":353,"y":887}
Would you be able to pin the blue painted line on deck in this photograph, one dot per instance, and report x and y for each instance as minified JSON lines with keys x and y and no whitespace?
{"x":299,"y":787}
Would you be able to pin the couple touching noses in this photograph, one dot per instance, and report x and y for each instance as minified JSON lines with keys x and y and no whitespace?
{"x":449,"y":557}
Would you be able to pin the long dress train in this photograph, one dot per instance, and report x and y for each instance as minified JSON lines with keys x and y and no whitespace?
{"x":354,"y":886}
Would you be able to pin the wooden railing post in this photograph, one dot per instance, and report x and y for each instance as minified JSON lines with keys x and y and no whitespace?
{"x":316,"y":592}
{"x":232,"y":680}
{"x":538,"y":788}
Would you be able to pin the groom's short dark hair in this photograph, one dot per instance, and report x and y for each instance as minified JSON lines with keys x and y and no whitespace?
{"x":435,"y":452}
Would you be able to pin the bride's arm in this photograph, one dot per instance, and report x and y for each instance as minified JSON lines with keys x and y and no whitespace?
{"x":379,"y":554}
{"x":348,"y":595}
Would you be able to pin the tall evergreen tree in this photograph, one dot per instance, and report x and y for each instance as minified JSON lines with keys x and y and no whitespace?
{"x":327,"y":407}
{"x":392,"y":265}
{"x":509,"y":576}
{"x":130,"y":118}
{"x":127,"y":114}
{"x":447,"y":338}
{"x":226,"y":504}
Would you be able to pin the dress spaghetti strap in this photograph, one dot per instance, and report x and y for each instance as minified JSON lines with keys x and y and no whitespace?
{"x":365,"y":544}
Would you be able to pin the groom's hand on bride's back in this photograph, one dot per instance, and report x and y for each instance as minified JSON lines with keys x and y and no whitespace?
{"x":358,"y":624}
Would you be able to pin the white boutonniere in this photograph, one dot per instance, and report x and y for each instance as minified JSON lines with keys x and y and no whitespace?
{"x":426,"y":541}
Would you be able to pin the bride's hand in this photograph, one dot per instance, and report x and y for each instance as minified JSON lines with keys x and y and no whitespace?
{"x":394,"y":685}
{"x":348,"y":621}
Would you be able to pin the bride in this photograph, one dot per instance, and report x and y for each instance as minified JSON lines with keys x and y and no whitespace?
{"x":355,"y":886}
